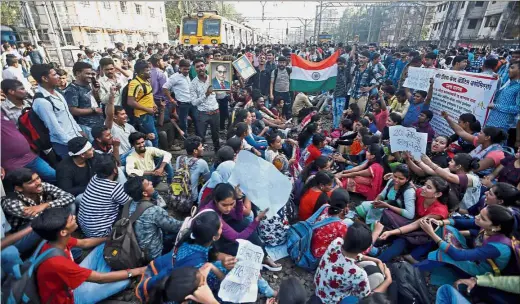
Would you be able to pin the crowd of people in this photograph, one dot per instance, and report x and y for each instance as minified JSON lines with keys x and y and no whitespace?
{"x":87,"y":148}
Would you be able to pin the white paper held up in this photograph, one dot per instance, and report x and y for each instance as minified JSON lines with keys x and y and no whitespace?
{"x":408,"y":139}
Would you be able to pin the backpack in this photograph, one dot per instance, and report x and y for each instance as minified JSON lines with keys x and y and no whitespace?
{"x":124,"y":99}
{"x":512,"y":243}
{"x":181,"y":186}
{"x":21,"y":287}
{"x":410,"y":284}
{"x":299,"y":240}
{"x":33,"y":128}
{"x":289,"y":71}
{"x":122,"y":250}
{"x":187,"y":223}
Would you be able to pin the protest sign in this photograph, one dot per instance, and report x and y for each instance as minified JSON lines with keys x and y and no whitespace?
{"x":419,"y":78}
{"x":261,"y":182}
{"x":408,"y":139}
{"x":458,"y":93}
{"x":241,"y":284}
{"x":277,"y":252}
{"x":244,"y":67}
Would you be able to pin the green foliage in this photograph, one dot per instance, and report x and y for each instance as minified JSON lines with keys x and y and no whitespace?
{"x":11,"y":13}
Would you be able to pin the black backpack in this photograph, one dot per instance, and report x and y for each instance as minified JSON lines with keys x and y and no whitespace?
{"x":21,"y":287}
{"x":33,"y":128}
{"x":289,"y":71}
{"x":122,"y":250}
{"x":410,"y":284}
{"x":124,"y":99}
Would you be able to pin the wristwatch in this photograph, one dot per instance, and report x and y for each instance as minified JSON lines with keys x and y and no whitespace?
{"x":129,"y":273}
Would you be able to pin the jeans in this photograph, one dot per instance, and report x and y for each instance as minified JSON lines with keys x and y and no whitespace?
{"x":169,"y":129}
{"x":157,"y":179}
{"x":447,"y":294}
{"x":60,"y":149}
{"x":338,"y":104}
{"x":185,"y":109}
{"x":44,"y":170}
{"x":89,"y":292}
{"x":88,"y":131}
{"x":399,"y":245}
{"x":11,"y":255}
{"x":287,"y":106}
{"x":223,"y":107}
{"x":148,"y":124}
{"x":213,"y":121}
{"x":123,"y":156}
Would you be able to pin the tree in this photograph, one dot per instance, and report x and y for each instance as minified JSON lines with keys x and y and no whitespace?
{"x":11,"y":13}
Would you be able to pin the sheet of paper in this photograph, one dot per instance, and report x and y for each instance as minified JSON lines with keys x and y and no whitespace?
{"x":241,"y":284}
{"x":277,"y":252}
{"x":261,"y":182}
{"x":419,"y":78}
{"x":408,"y":139}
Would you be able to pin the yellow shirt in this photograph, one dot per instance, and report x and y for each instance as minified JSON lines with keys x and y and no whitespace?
{"x":135,"y":89}
{"x":399,"y":108}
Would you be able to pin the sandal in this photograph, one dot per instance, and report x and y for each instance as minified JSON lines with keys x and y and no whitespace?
{"x":266,"y":264}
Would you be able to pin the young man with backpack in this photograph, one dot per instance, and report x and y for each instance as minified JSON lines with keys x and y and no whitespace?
{"x":51,"y":108}
{"x":190,"y":170}
{"x":280,"y":83}
{"x":60,"y":279}
{"x":154,"y":228}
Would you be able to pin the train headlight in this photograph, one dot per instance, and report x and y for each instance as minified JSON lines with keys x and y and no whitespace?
{"x":186,"y":40}
{"x":214,"y":41}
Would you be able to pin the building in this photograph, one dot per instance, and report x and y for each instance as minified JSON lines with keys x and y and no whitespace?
{"x":475,"y":24}
{"x":402,"y":24}
{"x":95,"y":24}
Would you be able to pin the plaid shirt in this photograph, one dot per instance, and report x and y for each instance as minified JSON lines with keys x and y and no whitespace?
{"x":476,"y":65}
{"x":361,"y":79}
{"x":378,"y":71}
{"x":14,"y":205}
{"x":12,"y":111}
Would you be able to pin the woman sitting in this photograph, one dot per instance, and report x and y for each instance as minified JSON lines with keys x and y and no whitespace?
{"x":196,"y":248}
{"x":339,"y":274}
{"x":322,"y":163}
{"x":313,"y":151}
{"x":429,"y":204}
{"x":469,"y":123}
{"x":231,"y":212}
{"x":323,"y":236}
{"x":460,"y":175}
{"x":437,"y":154}
{"x":353,"y":112}
{"x":367,"y":178}
{"x":305,"y":136}
{"x":316,"y":192}
{"x":242,"y":131}
{"x":273,"y":155}
{"x":488,"y":145}
{"x":398,"y":196}
{"x":507,"y":172}
{"x":499,"y":194}
{"x":491,"y":252}
{"x":277,"y":107}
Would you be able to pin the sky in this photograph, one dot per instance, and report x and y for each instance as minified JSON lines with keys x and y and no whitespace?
{"x":277,"y":9}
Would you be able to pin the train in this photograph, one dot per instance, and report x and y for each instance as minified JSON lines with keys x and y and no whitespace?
{"x":208,"y":28}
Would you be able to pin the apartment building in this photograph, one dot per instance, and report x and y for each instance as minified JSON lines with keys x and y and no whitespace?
{"x":475,"y":24}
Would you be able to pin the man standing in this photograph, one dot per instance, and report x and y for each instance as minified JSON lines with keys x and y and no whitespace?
{"x":179,"y":85}
{"x":270,"y":64}
{"x":52,"y":109}
{"x":459,"y":63}
{"x":363,"y":81}
{"x":157,"y":78}
{"x":203,"y":97}
{"x":34,"y":55}
{"x":261,"y":80}
{"x":280,"y":83}
{"x":91,"y":59}
{"x":340,"y":92}
{"x":504,"y":109}
{"x":14,"y":71}
{"x":111,"y":78}
{"x":83,"y":99}
{"x":140,"y":98}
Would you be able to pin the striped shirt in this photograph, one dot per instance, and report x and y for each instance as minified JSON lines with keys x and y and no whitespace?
{"x":100,"y":205}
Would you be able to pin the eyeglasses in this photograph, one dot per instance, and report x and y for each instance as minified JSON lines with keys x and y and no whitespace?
{"x":221,"y":72}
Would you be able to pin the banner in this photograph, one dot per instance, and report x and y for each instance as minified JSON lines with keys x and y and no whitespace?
{"x":408,"y":139}
{"x":458,"y":93}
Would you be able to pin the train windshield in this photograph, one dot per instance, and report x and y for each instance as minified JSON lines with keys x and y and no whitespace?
{"x":189,"y":27}
{"x":211,"y":27}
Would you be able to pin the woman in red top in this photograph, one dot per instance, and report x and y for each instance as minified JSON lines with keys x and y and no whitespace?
{"x":430,"y":203}
{"x":313,"y":151}
{"x":316,"y":192}
{"x":323,"y":236}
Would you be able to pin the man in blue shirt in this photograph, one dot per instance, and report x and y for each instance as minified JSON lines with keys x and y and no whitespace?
{"x":419,"y":101}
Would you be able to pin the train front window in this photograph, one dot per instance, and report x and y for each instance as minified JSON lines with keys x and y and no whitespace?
{"x":189,"y":27}
{"x":211,"y":27}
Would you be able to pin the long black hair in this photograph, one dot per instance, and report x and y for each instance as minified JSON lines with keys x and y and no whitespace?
{"x":307,"y":133}
{"x":405,"y":171}
{"x":240,"y":116}
{"x":204,"y":228}
{"x":321,"y":178}
{"x":500,"y":215}
{"x":315,"y":166}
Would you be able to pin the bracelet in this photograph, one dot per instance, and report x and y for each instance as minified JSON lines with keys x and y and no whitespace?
{"x":400,"y":232}
{"x":438,"y":242}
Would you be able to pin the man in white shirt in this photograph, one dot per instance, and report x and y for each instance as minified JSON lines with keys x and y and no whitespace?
{"x":13,"y":71}
{"x":203,"y":97}
{"x":111,"y":78}
{"x":179,"y":85}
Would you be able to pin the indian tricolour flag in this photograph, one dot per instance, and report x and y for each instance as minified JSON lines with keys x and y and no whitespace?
{"x":309,"y":76}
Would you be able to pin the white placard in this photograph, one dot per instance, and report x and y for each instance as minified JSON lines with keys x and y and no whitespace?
{"x":241,"y":284}
{"x":458,"y":93}
{"x":408,"y":139}
{"x":244,"y":67}
{"x":277,"y":252}
{"x":261,"y":182}
{"x":419,"y":78}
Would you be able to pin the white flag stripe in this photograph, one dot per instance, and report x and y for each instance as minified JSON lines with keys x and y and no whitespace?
{"x":307,"y":75}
